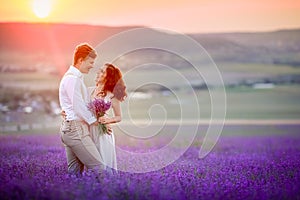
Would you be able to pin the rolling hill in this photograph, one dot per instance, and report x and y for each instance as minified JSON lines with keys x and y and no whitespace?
{"x":26,"y":43}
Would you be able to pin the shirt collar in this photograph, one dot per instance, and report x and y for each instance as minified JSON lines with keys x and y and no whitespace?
{"x":75,"y":71}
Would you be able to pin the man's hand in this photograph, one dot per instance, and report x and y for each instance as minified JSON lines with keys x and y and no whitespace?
{"x":63,"y":115}
{"x":96,"y":123}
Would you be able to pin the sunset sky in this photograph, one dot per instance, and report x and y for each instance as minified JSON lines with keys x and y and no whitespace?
{"x":177,"y":15}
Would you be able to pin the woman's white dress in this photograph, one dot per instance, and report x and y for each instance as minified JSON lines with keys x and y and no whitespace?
{"x":104,"y":142}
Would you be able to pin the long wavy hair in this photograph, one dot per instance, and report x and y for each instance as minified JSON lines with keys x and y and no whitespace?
{"x":113,"y":82}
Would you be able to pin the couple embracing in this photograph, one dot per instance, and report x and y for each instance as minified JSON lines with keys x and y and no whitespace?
{"x":87,"y":146}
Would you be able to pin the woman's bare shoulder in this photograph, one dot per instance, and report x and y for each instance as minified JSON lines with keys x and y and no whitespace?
{"x":109,"y":95}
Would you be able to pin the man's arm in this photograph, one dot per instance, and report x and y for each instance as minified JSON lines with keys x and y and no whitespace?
{"x":79,"y":105}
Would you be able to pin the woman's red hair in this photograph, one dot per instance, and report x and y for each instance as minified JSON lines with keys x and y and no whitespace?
{"x":113,"y":82}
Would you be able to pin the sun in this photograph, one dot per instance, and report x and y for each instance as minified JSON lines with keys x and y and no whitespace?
{"x":41,"y":8}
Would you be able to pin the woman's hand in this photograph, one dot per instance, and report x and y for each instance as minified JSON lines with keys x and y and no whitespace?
{"x":109,"y":129}
{"x":104,"y":120}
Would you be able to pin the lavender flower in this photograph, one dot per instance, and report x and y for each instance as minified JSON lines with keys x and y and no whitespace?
{"x":248,"y":162}
{"x":99,"y":107}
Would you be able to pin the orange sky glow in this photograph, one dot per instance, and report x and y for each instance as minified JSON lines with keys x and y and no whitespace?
{"x":188,"y":16}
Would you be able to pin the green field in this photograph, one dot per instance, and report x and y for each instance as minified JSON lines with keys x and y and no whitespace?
{"x":279,"y":102}
{"x":267,"y":69}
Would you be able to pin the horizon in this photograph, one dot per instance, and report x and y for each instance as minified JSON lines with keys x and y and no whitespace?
{"x":215,"y":16}
{"x":140,"y":26}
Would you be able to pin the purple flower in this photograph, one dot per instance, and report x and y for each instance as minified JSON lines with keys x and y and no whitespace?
{"x":99,"y":107}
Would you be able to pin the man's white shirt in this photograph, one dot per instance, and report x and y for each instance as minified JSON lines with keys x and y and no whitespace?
{"x":73,"y":96}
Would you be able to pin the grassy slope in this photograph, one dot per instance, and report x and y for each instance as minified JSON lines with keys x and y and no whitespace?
{"x":281,"y":102}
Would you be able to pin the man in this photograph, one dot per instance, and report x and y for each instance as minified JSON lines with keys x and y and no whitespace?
{"x":73,"y":97}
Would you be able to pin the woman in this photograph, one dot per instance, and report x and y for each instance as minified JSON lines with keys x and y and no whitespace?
{"x":109,"y":86}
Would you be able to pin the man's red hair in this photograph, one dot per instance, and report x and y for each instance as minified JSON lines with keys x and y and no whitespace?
{"x":83,"y":50}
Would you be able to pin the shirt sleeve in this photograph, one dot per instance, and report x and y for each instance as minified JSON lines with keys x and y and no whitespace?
{"x":79,"y":105}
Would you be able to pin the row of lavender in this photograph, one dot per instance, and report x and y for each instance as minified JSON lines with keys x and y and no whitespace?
{"x":240,"y":167}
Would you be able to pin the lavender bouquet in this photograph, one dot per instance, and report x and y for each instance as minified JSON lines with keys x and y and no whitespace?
{"x":99,"y":107}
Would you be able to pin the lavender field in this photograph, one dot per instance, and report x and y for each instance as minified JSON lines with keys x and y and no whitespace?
{"x":248,"y":162}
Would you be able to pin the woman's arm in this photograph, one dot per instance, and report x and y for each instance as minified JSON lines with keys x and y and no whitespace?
{"x":117,"y":113}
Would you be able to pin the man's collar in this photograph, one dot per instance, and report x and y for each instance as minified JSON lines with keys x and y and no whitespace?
{"x":75,"y":71}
